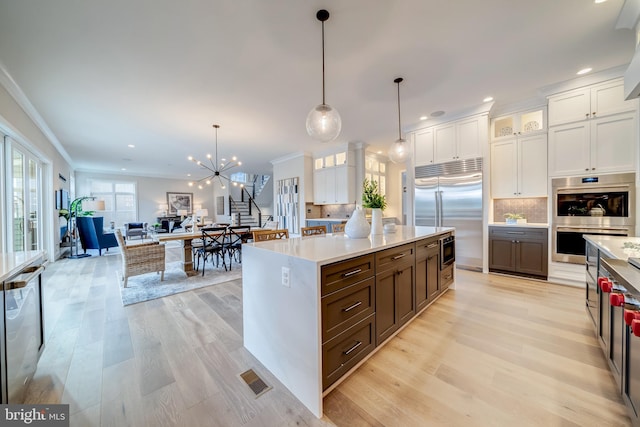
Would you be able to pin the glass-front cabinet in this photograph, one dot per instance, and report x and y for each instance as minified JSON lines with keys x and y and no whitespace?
{"x":519,"y":124}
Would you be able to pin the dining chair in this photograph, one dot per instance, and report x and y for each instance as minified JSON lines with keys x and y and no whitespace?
{"x":213,"y":243}
{"x":264,"y":235}
{"x":338,"y":228}
{"x":313,"y":230}
{"x":236,"y":236}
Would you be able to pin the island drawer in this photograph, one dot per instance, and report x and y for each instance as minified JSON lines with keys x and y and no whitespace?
{"x":341,"y":274}
{"x":347,"y":349}
{"x":345,"y":308}
{"x":389,"y":258}
{"x":425,"y":247}
{"x":446,"y":277}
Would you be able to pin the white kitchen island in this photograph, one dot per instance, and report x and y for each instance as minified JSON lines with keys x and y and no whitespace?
{"x":282,"y":316}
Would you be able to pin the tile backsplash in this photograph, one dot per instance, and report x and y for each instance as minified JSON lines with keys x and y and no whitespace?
{"x":329,"y":211}
{"x":534,"y":210}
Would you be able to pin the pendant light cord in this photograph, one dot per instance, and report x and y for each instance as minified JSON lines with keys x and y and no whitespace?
{"x":323,"y":62}
{"x":398,"y":80}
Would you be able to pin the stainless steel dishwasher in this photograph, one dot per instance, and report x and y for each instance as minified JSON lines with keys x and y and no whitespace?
{"x":23,"y":339}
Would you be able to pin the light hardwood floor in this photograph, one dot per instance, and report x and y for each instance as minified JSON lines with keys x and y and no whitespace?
{"x":496,"y":351}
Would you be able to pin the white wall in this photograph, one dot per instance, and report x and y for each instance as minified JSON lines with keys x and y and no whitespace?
{"x":151,"y":192}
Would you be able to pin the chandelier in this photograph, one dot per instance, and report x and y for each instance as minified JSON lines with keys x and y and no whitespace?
{"x":216,"y":168}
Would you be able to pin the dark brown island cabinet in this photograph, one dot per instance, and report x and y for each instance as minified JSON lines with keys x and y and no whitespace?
{"x":365,"y":300}
{"x":522,"y":251}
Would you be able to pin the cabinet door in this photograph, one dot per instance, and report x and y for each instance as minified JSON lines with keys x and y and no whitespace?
{"x":320,"y":193}
{"x":501,"y":254}
{"x":504,"y":163}
{"x":613,"y":142}
{"x":569,"y":149}
{"x":444,"y":138}
{"x":386,"y":314}
{"x":405,"y":287}
{"x":531,"y":257}
{"x":608,"y":98}
{"x":470,"y":135}
{"x":424,"y":147}
{"x":433,"y":275}
{"x":532,"y":166}
{"x":344,"y":184}
{"x":570,"y":107}
{"x":421,"y":283}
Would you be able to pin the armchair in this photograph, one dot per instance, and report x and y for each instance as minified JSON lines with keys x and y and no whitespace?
{"x":141,"y":259}
{"x":133,"y":229}
{"x":92,"y":235}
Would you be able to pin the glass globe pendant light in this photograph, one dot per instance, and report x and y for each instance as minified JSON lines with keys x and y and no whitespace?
{"x":323,"y":121}
{"x":400,"y":150}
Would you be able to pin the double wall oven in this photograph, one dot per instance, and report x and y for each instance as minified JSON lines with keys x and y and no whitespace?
{"x":601,"y":205}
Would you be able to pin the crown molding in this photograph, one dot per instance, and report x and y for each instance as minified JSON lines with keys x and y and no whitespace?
{"x":19,"y":96}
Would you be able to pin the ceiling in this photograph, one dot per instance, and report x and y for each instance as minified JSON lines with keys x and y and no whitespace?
{"x":159,"y":73}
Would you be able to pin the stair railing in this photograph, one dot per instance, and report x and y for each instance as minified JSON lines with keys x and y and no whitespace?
{"x":232,"y":205}
{"x":252,"y":202}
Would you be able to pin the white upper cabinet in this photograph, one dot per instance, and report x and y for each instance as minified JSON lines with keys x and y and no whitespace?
{"x":462,"y":139}
{"x":423,"y":143}
{"x":592,"y":130}
{"x":519,"y":167}
{"x":589,"y":103}
{"x":334,"y":178}
{"x":523,"y":123}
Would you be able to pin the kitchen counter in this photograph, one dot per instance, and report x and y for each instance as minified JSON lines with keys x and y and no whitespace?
{"x":282,"y":301}
{"x":12,"y":262}
{"x":613,"y":246}
{"x":526,"y":224}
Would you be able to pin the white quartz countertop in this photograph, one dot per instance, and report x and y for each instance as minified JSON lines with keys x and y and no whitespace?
{"x":527,"y":225}
{"x":12,"y":262}
{"x":615,"y":247}
{"x":329,"y":248}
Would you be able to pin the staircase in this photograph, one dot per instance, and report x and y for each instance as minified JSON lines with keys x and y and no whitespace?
{"x":256,"y":182}
{"x":243,"y":214}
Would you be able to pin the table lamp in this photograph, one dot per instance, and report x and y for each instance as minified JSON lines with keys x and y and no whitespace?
{"x":164,"y":208}
{"x":200,"y":214}
{"x":182,"y":213}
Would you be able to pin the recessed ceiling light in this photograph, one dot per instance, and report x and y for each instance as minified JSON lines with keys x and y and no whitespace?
{"x":131,"y":146}
{"x":379,"y":151}
{"x":423,"y":117}
{"x":600,"y":1}
{"x":584,"y":71}
{"x":188,"y":174}
{"x":488,"y":99}
{"x":437,"y":113}
{"x":123,"y":169}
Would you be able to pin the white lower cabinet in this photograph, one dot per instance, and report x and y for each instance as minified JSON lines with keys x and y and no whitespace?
{"x":606,"y":144}
{"x":519,"y":167}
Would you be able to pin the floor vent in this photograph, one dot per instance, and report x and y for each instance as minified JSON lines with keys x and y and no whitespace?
{"x":255,"y":383}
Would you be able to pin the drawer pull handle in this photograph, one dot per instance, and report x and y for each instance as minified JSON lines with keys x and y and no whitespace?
{"x":352,"y":306}
{"x":398,"y":256}
{"x":433,"y":245}
{"x":356,"y":345}
{"x":351,"y":273}
{"x":515,"y":232}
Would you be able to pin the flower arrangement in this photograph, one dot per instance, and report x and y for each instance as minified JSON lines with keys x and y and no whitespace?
{"x":514,"y":218}
{"x":371,"y":197}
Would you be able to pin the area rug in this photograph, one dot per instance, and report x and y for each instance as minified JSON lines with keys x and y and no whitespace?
{"x":148,"y":286}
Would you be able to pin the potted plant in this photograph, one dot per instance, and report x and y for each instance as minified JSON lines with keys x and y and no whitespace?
{"x":515,"y":218}
{"x":372,"y":199}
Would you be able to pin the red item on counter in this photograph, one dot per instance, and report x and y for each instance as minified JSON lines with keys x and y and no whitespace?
{"x":630,"y":316}
{"x":635,"y":327}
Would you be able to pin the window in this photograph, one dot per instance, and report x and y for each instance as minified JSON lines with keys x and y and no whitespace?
{"x":119,"y":200}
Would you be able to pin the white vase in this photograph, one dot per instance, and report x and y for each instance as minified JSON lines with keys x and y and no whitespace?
{"x":376,"y":221}
{"x":357,"y":227}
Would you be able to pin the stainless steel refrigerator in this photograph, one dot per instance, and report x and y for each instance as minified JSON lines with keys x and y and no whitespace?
{"x":450,"y":195}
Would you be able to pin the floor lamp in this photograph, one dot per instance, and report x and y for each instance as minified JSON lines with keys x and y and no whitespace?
{"x":93,"y":205}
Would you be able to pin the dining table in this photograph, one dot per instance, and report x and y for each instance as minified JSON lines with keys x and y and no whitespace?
{"x":187,"y":247}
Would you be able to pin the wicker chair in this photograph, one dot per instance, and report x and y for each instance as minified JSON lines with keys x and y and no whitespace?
{"x":264,"y":235}
{"x":314,"y":230}
{"x":140,"y":259}
{"x":338,"y":228}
